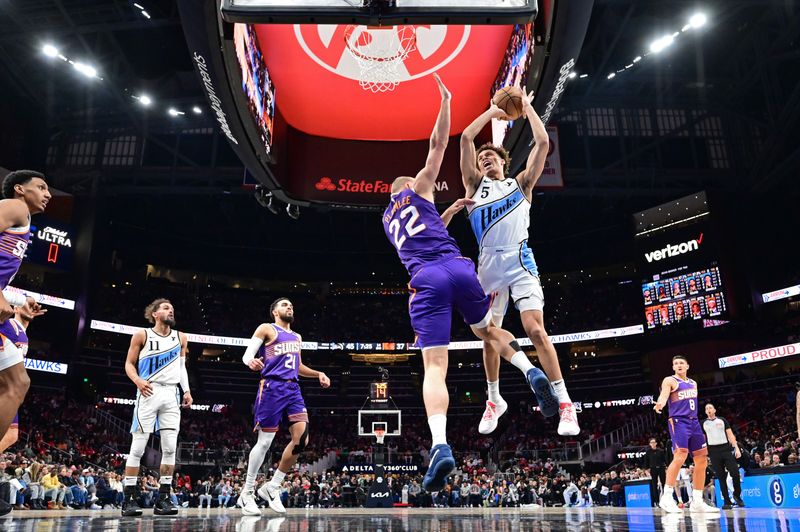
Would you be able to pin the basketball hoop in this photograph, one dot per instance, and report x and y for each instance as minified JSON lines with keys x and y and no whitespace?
{"x":379,"y":435}
{"x":380,"y":53}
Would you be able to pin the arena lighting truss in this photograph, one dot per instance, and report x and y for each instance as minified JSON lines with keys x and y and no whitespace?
{"x":380,"y":12}
{"x":208,"y":339}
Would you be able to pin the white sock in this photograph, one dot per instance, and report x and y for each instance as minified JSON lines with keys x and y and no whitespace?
{"x":129,"y":481}
{"x":438,"y":425}
{"x":521,"y":361}
{"x":668,"y":491}
{"x":277,"y":478}
{"x":697,"y":495}
{"x":561,"y":391}
{"x":256,"y":459}
{"x":494,"y":392}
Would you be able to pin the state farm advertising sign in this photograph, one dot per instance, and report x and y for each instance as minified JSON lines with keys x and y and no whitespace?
{"x":760,"y":355}
{"x":361,"y":172}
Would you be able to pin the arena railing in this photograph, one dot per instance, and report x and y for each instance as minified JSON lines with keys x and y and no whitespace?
{"x":619,"y":436}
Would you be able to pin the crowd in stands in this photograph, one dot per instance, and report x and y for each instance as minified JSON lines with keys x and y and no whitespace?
{"x":338,"y":316}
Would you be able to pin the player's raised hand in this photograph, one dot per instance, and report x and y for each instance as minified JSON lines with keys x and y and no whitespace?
{"x":442,"y":88}
{"x":659,"y":406}
{"x":496,"y":112}
{"x":187,"y":400}
{"x":324,"y":381}
{"x":33,"y":308}
{"x":459,"y":205}
{"x":256,"y":364}
{"x":145,"y":388}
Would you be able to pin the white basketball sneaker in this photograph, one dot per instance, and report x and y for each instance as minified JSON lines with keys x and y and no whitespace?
{"x":668,"y":504}
{"x":568,"y":424}
{"x":491,"y":416}
{"x":702,"y":507}
{"x":272,"y":496}
{"x":248,"y":502}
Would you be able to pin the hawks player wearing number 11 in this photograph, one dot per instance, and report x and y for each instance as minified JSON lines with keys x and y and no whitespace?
{"x":274,"y":351}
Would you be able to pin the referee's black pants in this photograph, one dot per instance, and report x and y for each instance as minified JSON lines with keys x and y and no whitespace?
{"x":723,"y":463}
{"x":656,"y":474}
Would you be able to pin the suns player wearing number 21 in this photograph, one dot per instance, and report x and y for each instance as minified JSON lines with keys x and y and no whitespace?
{"x":156,"y":363}
{"x":274,"y":351}
{"x":687,"y":436}
{"x":440,"y":280}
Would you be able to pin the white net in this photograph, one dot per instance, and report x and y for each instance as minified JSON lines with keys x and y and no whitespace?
{"x":380,"y":53}
{"x":379,"y":435}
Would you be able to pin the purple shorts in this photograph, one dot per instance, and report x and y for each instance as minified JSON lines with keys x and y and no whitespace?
{"x":686,"y":433}
{"x":437,"y":288}
{"x":277,"y":401}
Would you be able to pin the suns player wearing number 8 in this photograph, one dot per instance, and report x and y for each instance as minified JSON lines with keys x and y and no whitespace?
{"x":687,"y":436}
{"x":440,"y":280}
{"x":274,"y":351}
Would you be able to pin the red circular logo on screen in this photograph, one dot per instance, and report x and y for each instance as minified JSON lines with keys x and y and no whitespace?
{"x":434,"y":46}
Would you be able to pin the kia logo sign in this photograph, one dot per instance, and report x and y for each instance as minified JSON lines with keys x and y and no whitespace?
{"x":672,"y":250}
{"x":436,"y":46}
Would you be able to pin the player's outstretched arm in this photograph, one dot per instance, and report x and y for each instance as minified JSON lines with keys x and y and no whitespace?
{"x":137,"y":342}
{"x":457,"y":206}
{"x":667,"y":386}
{"x":426,"y":178}
{"x":265,"y":333}
{"x":538,"y":155}
{"x":470,"y":174}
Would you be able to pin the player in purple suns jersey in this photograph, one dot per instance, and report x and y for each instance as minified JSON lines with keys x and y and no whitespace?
{"x":274,"y":351}
{"x":440,"y":280}
{"x":687,"y":436}
{"x":26,"y":193}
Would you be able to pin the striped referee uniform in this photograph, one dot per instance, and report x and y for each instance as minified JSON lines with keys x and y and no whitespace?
{"x":720,"y":452}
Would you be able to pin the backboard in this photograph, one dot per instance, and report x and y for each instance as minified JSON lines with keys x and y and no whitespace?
{"x":369,"y":420}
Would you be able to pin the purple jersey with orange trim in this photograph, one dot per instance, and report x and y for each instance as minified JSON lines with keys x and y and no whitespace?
{"x":13,"y":244}
{"x":14,"y":332}
{"x":281,"y":357}
{"x":683,"y":400}
{"x":413,"y":225}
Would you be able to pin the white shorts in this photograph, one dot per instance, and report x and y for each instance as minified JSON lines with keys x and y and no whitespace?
{"x":508,"y":272}
{"x":10,"y":354}
{"x":162,"y":410}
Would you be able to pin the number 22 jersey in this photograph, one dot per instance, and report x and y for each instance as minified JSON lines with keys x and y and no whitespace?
{"x":410,"y":215}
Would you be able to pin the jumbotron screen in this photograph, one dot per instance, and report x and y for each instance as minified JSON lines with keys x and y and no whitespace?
{"x":516,"y":64}
{"x":683,"y":298}
{"x":256,"y":82}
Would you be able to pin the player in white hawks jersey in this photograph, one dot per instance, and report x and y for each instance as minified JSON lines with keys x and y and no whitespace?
{"x":500,"y":219}
{"x":156,"y":364}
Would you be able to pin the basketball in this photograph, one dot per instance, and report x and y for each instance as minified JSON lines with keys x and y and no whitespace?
{"x":509,"y":99}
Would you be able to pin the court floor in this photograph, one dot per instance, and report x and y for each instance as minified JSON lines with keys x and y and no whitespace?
{"x":407,"y":519}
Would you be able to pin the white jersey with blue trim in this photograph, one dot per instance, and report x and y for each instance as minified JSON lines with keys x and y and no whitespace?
{"x":501,"y":214}
{"x":159,"y":359}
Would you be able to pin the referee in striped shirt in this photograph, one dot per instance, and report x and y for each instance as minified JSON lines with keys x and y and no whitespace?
{"x":722,"y":446}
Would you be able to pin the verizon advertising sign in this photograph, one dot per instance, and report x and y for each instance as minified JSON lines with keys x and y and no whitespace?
{"x":673,"y":250}
{"x":760,"y":355}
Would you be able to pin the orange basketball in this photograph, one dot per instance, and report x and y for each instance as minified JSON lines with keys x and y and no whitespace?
{"x":509,"y":99}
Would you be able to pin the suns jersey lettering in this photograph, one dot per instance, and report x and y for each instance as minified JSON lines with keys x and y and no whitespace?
{"x":281,"y":357}
{"x":13,"y":245}
{"x":159,"y":358}
{"x":501,"y":213}
{"x":683,"y":400}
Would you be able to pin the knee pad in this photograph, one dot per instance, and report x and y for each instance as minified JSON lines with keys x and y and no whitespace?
{"x":138,"y":444}
{"x":169,"y":445}
{"x":300,"y":447}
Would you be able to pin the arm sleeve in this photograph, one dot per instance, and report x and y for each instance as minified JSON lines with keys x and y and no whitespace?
{"x":184,"y":376}
{"x":15,"y":299}
{"x":252,"y":348}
